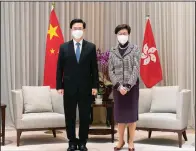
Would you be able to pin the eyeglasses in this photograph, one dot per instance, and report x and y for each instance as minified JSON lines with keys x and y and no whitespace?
{"x":125,"y":33}
{"x":77,"y":28}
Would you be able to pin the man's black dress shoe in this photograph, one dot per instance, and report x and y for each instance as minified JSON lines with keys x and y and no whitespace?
{"x":82,"y":147}
{"x":72,"y":147}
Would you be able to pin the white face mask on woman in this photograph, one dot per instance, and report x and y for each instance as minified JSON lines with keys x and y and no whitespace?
{"x":77,"y":34}
{"x":122,"y":39}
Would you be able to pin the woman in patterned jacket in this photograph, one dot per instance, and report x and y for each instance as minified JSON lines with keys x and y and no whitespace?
{"x":124,"y":74}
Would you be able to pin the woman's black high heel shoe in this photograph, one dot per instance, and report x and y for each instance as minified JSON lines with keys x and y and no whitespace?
{"x":131,"y":149}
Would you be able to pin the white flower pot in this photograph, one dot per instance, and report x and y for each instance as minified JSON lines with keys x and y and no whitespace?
{"x":99,"y":96}
{"x":99,"y":99}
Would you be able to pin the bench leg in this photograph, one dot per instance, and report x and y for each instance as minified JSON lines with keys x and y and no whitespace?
{"x":3,"y":126}
{"x":149,"y":133}
{"x":180,"y":139}
{"x":112,"y":124}
{"x":184,"y":135}
{"x":54,"y":132}
{"x":19,"y":132}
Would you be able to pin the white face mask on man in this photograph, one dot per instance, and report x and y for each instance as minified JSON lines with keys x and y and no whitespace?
{"x":77,"y":34}
{"x":122,"y":39}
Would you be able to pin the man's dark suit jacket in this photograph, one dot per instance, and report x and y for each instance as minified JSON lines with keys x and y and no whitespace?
{"x":73,"y":76}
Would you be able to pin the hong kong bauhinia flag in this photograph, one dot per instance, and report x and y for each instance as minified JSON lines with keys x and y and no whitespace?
{"x":150,"y":67}
{"x":53,"y":42}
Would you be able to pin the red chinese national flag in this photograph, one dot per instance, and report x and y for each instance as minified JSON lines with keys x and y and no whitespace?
{"x":150,"y":67}
{"x":53,"y":42}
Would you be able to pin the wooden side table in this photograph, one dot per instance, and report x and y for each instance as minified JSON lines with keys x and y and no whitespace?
{"x":104,"y":131}
{"x":3,"y":106}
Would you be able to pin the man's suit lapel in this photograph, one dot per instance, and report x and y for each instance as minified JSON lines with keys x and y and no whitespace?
{"x":83,"y":51}
{"x":72,"y":51}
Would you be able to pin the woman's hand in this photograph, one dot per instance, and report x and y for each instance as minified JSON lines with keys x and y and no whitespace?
{"x":123,"y":91}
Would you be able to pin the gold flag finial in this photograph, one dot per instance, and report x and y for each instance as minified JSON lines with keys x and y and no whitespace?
{"x":147,"y":16}
{"x":53,"y":5}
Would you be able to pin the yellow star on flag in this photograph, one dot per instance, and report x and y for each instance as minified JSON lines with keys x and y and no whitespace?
{"x":52,"y":31}
{"x":52,"y":51}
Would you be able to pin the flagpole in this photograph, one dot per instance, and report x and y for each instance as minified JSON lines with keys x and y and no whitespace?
{"x":54,"y":132}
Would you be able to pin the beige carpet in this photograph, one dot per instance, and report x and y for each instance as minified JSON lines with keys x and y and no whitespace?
{"x":40,"y":141}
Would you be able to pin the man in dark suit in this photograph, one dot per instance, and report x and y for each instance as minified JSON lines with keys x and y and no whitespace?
{"x":77,"y":81}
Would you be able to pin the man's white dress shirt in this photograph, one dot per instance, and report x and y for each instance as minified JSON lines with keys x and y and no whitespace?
{"x":75,"y":46}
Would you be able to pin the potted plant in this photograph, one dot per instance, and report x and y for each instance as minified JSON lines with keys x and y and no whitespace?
{"x":105,"y":85}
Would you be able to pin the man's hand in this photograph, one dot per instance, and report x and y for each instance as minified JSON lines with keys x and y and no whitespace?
{"x":94,"y":91}
{"x":123,"y":91}
{"x":60,"y":91}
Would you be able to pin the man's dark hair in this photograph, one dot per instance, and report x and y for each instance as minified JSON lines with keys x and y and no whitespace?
{"x":77,"y":21}
{"x":123,"y":26}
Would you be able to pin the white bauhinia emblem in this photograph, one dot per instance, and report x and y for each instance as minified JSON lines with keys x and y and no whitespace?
{"x":148,"y":54}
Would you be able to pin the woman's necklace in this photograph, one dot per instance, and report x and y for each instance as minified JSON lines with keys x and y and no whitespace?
{"x":123,"y":48}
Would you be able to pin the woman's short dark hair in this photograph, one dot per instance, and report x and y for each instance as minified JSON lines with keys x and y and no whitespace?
{"x":123,"y":26}
{"x":77,"y":21}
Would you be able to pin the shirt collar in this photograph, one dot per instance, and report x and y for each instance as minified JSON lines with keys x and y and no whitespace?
{"x":81,"y":41}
